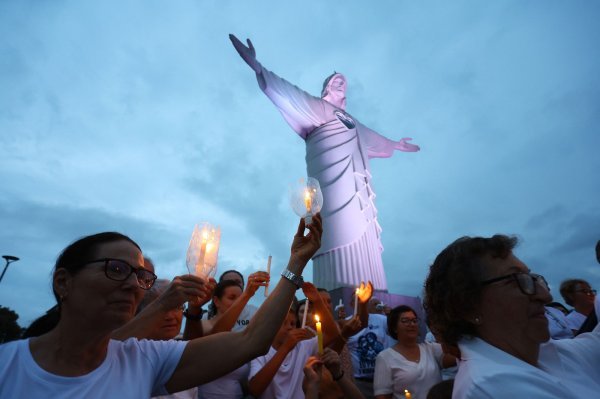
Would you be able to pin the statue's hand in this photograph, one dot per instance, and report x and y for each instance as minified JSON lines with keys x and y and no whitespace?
{"x":404,"y":145}
{"x":248,"y":53}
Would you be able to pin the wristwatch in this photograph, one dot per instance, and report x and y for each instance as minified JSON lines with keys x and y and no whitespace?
{"x":297,"y":280}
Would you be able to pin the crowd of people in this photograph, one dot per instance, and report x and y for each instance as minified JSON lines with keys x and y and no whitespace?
{"x":116,"y":331}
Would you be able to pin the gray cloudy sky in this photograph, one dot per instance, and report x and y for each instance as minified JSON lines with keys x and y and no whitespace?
{"x":140,"y":117}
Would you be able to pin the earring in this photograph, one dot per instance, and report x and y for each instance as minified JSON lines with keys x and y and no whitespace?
{"x":477,"y":320}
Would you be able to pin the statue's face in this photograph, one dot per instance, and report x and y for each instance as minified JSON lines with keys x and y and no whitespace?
{"x":337,"y":86}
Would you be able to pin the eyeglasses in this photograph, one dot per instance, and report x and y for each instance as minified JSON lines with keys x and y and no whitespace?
{"x":119,"y":270}
{"x":527,"y":281}
{"x":407,"y":321}
{"x":587,"y":291}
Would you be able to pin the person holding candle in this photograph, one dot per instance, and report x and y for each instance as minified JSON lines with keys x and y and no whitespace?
{"x":408,"y":366}
{"x":98,"y":282}
{"x":229,"y":300}
{"x":249,"y":310}
{"x":479,"y":295}
{"x":278,"y":374}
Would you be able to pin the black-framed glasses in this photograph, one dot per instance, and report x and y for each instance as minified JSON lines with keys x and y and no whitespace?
{"x":587,"y":291}
{"x":526,"y":281}
{"x":119,"y":270}
{"x":407,"y":321}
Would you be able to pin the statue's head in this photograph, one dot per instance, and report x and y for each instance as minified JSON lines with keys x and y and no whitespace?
{"x":334,"y":89}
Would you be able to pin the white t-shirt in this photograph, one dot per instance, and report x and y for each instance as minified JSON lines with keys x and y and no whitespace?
{"x":567,"y":369}
{"x":287,"y":382}
{"x":557,"y":324}
{"x":366,"y":345}
{"x":244,"y":318}
{"x":394,"y":373}
{"x":132,"y":369}
{"x":227,"y":387}
{"x":575,"y":320}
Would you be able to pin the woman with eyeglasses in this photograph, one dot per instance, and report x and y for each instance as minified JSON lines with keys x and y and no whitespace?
{"x":480,"y":296}
{"x":408,"y":365}
{"x":579,"y":294}
{"x":98,"y":282}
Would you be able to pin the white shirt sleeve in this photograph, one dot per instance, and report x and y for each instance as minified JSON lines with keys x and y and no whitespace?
{"x":382,"y":379}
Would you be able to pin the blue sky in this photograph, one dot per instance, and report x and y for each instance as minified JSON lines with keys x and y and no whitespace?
{"x":140,"y":117}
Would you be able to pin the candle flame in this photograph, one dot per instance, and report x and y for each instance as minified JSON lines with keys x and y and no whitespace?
{"x":307,"y":200}
{"x":317,"y":318}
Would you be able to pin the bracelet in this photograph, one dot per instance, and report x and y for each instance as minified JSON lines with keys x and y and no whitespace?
{"x":194,"y":317}
{"x":339,"y":377}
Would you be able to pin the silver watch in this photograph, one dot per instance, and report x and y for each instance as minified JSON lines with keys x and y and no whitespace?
{"x":297,"y":280}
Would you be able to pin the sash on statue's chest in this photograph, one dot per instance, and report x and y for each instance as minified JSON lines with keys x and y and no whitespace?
{"x":336,"y":157}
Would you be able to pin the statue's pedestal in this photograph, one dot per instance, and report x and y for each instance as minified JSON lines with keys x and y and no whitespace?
{"x":391,"y":300}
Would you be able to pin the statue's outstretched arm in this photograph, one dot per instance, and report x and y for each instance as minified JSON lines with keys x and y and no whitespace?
{"x":379,"y":146}
{"x":248,"y":53}
{"x":302,"y":111}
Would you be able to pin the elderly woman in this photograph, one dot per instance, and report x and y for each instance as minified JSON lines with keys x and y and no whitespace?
{"x":480,"y":295}
{"x":408,"y":364}
{"x":98,"y":281}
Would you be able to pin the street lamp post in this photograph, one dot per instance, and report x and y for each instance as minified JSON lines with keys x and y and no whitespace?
{"x":9,"y":259}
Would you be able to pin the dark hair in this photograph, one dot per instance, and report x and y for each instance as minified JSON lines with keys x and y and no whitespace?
{"x":453,"y":286}
{"x":74,"y":257}
{"x":441,"y":390}
{"x":598,"y":251}
{"x":219,"y":292}
{"x":43,"y":324}
{"x":233,"y":271}
{"x":392,"y":319}
{"x":568,"y":287}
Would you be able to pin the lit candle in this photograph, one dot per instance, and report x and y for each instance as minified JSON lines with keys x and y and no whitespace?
{"x":200,"y":263}
{"x":307,"y":200}
{"x":305,"y":313}
{"x":407,"y":394}
{"x":356,"y":301}
{"x":319,"y":335}
{"x":269,"y":273}
{"x":341,"y":304}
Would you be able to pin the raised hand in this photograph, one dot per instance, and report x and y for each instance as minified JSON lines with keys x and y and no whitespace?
{"x":365,"y":292}
{"x":186,"y":288}
{"x":312,"y":377}
{"x":332,"y":361}
{"x":247,"y":53}
{"x":296,"y":335}
{"x":404,"y":145}
{"x":311,"y":292}
{"x":304,"y":247}
{"x":256,"y":280}
{"x":351,"y":327}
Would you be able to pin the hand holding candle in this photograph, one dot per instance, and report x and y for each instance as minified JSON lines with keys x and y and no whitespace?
{"x":364,"y":292}
{"x":306,"y":198}
{"x":203,"y":250}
